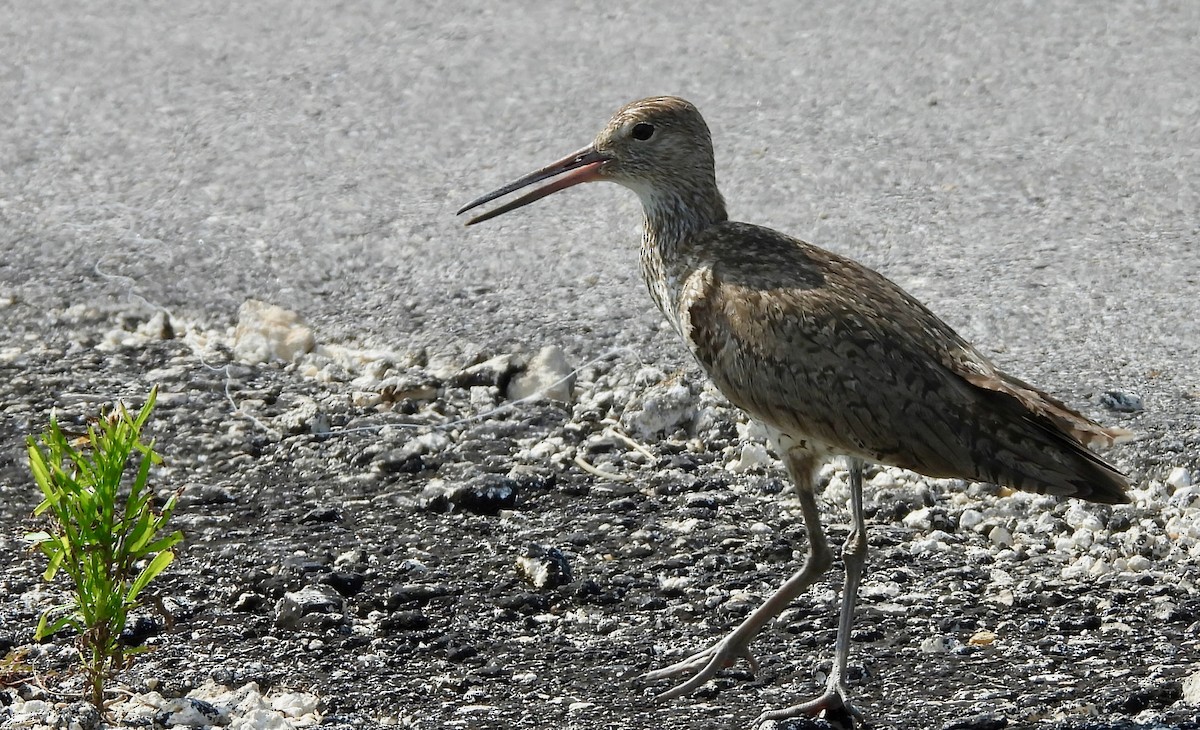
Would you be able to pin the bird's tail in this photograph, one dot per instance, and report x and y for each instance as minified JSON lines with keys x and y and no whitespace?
{"x":1045,"y":447}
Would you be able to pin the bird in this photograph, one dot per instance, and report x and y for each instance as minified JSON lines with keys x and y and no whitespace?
{"x":834,"y":359}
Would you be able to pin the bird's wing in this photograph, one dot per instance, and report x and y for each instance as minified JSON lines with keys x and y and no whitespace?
{"x":821,"y":347}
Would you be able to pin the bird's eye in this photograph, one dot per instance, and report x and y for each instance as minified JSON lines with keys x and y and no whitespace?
{"x":643,"y":131}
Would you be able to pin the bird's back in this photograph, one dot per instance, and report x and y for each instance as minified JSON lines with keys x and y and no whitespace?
{"x":827,"y":350}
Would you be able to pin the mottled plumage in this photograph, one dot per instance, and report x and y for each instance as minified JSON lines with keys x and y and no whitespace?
{"x":824,"y":349}
{"x":831,"y":356}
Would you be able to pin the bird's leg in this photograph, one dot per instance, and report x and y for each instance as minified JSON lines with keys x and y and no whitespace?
{"x":854,"y":553}
{"x":704,"y":664}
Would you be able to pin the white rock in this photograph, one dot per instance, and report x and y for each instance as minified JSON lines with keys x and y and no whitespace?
{"x":1000,"y":535}
{"x":1191,"y":688}
{"x":294,"y":704}
{"x":752,"y":430}
{"x":674,"y":583}
{"x":309,"y":599}
{"x":1179,"y":478}
{"x":1138,"y":563}
{"x":883,"y":480}
{"x":970,"y":519}
{"x":266,"y":332}
{"x":934,"y":645}
{"x":1080,"y":517}
{"x":546,"y":374}
{"x":1184,"y":496}
{"x":661,"y":410}
{"x":918,"y":519}
{"x":751,"y":456}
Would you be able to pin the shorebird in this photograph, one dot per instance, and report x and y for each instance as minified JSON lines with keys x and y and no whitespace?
{"x":833,"y":358}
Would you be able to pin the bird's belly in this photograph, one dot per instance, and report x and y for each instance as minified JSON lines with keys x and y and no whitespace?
{"x":795,"y":427}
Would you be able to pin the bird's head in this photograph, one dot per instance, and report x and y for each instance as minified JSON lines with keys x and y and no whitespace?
{"x":656,"y":147}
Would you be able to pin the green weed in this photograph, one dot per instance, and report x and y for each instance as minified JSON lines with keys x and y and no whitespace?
{"x":109,"y":542}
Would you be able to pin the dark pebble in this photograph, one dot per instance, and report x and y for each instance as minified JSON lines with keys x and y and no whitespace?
{"x":1087,"y":622}
{"x":420,"y":593}
{"x":321,"y":514}
{"x":483,"y":495}
{"x":346,"y":583}
{"x":404,"y":621}
{"x":526,"y":603}
{"x":461,"y":653}
{"x":138,"y":628}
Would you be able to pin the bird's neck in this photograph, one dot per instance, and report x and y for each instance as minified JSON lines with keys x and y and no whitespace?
{"x":673,"y":221}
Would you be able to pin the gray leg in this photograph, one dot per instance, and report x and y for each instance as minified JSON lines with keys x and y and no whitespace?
{"x":854,"y":553}
{"x":703,"y":665}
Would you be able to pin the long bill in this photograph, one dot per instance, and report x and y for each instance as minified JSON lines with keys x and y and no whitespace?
{"x":583,"y":166}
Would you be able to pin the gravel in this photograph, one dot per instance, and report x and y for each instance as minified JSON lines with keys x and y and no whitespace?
{"x":464,"y":558}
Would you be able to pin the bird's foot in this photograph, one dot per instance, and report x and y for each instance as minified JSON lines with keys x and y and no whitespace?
{"x":838,"y":712}
{"x":703,"y":665}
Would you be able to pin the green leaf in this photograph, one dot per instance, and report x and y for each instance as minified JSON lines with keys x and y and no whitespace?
{"x":145,"y":412}
{"x":164,"y":543}
{"x":47,"y":628}
{"x":156,"y":566}
{"x":56,"y":559}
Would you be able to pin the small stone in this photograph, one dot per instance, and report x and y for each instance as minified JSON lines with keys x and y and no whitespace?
{"x":346,"y":583}
{"x":266,"y":332}
{"x":80,"y":716}
{"x":321,"y":514}
{"x":205,"y":494}
{"x":496,"y":371}
{"x":484,"y":495}
{"x":249,"y":602}
{"x":1191,"y":688}
{"x":918,"y":519}
{"x":411,"y":386}
{"x":659,"y":411}
{"x":158,"y":327}
{"x":190,"y":712}
{"x":1000,"y":536}
{"x":419,"y":593}
{"x":407,"y":459}
{"x":294,"y":606}
{"x":934,"y":645}
{"x":982,"y":638}
{"x":547,"y":374}
{"x":405,"y":621}
{"x":752,"y":456}
{"x":459,"y":654}
{"x":1121,"y":402}
{"x":970,"y":519}
{"x":1179,"y":478}
{"x":545,"y":567}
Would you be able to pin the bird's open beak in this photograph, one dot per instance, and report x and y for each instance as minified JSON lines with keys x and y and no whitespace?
{"x":583,"y":166}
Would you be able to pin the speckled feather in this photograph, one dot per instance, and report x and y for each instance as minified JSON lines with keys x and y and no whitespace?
{"x":829,"y":352}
